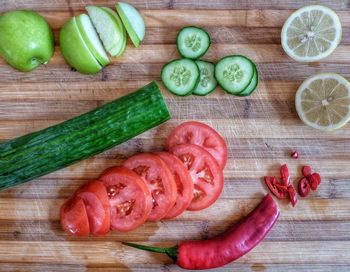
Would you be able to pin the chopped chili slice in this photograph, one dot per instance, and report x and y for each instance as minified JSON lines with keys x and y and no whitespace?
{"x":307,"y":171}
{"x":285,"y":175}
{"x":314,"y":180}
{"x":292,"y":195}
{"x":294,"y":154}
{"x":304,"y":187}
{"x":277,"y":189}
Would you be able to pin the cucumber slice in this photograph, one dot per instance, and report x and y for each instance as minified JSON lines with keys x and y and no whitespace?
{"x":180,"y":76}
{"x":207,"y":82}
{"x":193,"y":42}
{"x":252,"y":86}
{"x":234,"y":73}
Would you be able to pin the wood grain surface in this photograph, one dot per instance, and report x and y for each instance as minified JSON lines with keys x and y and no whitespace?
{"x":261,"y":131}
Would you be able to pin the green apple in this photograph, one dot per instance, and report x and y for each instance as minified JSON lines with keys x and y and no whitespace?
{"x":133,"y":22}
{"x":76,"y":51}
{"x":91,"y":39}
{"x":110,"y":29}
{"x":26,"y":39}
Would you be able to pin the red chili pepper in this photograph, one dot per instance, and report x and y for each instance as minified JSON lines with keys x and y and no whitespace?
{"x":294,"y":155}
{"x":292,"y":195}
{"x":227,"y":247}
{"x":277,"y":189}
{"x":304,"y":187}
{"x":307,"y":171}
{"x":285,"y":175}
{"x":315,"y":180}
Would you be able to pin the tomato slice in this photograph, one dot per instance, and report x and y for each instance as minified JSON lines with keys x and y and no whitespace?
{"x":74,"y":219}
{"x":129,"y":198}
{"x":94,"y":195}
{"x":159,"y":180}
{"x":207,"y":176}
{"x":183,"y":182}
{"x":202,"y":135}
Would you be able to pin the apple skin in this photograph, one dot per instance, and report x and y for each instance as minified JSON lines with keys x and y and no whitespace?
{"x":75,"y":51}
{"x":26,"y":39}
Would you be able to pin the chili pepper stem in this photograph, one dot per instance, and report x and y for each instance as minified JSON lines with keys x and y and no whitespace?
{"x":170,"y":251}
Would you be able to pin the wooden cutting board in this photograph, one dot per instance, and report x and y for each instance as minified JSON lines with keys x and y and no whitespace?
{"x":261,"y":131}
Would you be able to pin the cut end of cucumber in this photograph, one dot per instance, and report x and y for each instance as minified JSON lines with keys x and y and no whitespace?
{"x":133,"y":22}
{"x":91,"y":39}
{"x":193,"y":42}
{"x":110,"y":32}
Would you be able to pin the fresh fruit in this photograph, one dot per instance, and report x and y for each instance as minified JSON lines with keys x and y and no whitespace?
{"x":42,"y":152}
{"x":91,"y":39}
{"x":311,"y":33}
{"x":234,"y":73}
{"x":323,"y":101}
{"x":75,"y":51}
{"x":202,"y":135}
{"x":74,"y":219}
{"x":206,"y":174}
{"x":192,"y":42}
{"x":183,"y":182}
{"x":129,"y":198}
{"x":133,"y":22}
{"x":160,"y":181}
{"x":180,"y":76}
{"x":110,"y":29}
{"x":207,"y":82}
{"x":26,"y":39}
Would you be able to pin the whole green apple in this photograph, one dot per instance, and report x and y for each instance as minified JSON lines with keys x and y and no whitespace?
{"x":26,"y":39}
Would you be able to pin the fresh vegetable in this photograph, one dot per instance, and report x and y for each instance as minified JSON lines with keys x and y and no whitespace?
{"x":160,"y":181}
{"x":292,"y":195}
{"x":180,"y":76}
{"x":285,"y":175}
{"x":315,"y":180}
{"x":26,"y":39}
{"x":311,"y":33}
{"x":294,"y":155}
{"x":323,"y":101}
{"x":39,"y":153}
{"x":234,"y":73}
{"x":303,"y":187}
{"x":227,"y":247}
{"x":280,"y":191}
{"x":183,"y":183}
{"x":129,"y":198}
{"x":192,"y":42}
{"x":206,"y":174}
{"x":133,"y":22}
{"x":207,"y":82}
{"x":307,"y":171}
{"x":252,"y":85}
{"x":202,"y":135}
{"x":110,"y":29}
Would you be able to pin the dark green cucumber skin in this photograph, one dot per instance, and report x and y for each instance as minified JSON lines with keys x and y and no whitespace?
{"x":177,"y":42}
{"x":42,"y":152}
{"x":199,"y":81}
{"x":256,"y":85}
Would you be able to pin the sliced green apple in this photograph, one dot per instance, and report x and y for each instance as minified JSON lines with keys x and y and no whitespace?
{"x":109,"y":29}
{"x":91,"y":39}
{"x":75,"y":51}
{"x":133,"y":22}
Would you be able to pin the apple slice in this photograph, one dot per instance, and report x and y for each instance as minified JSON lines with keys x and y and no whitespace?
{"x":110,"y":30}
{"x":91,"y":39}
{"x":75,"y":51}
{"x":133,"y":22}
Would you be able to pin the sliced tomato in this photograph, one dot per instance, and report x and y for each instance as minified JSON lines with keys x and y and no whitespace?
{"x":157,"y":176}
{"x":96,"y":202}
{"x":202,"y":135}
{"x":207,"y":176}
{"x":74,"y":219}
{"x":129,"y":198}
{"x":183,"y":182}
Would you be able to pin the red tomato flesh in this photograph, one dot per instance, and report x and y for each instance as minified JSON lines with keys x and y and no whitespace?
{"x":206,"y":174}
{"x":157,"y":176}
{"x":129,"y":198}
{"x":183,"y":182}
{"x":74,"y":219}
{"x":200,"y":134}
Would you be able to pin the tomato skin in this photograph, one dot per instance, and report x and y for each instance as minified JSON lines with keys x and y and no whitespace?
{"x":206,"y":174}
{"x":74,"y":219}
{"x":159,"y":180}
{"x":202,"y":135}
{"x":116,"y":178}
{"x":183,"y":182}
{"x":96,"y":201}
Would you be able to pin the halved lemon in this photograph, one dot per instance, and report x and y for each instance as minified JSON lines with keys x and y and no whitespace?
{"x":323,"y":101}
{"x":311,"y":33}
